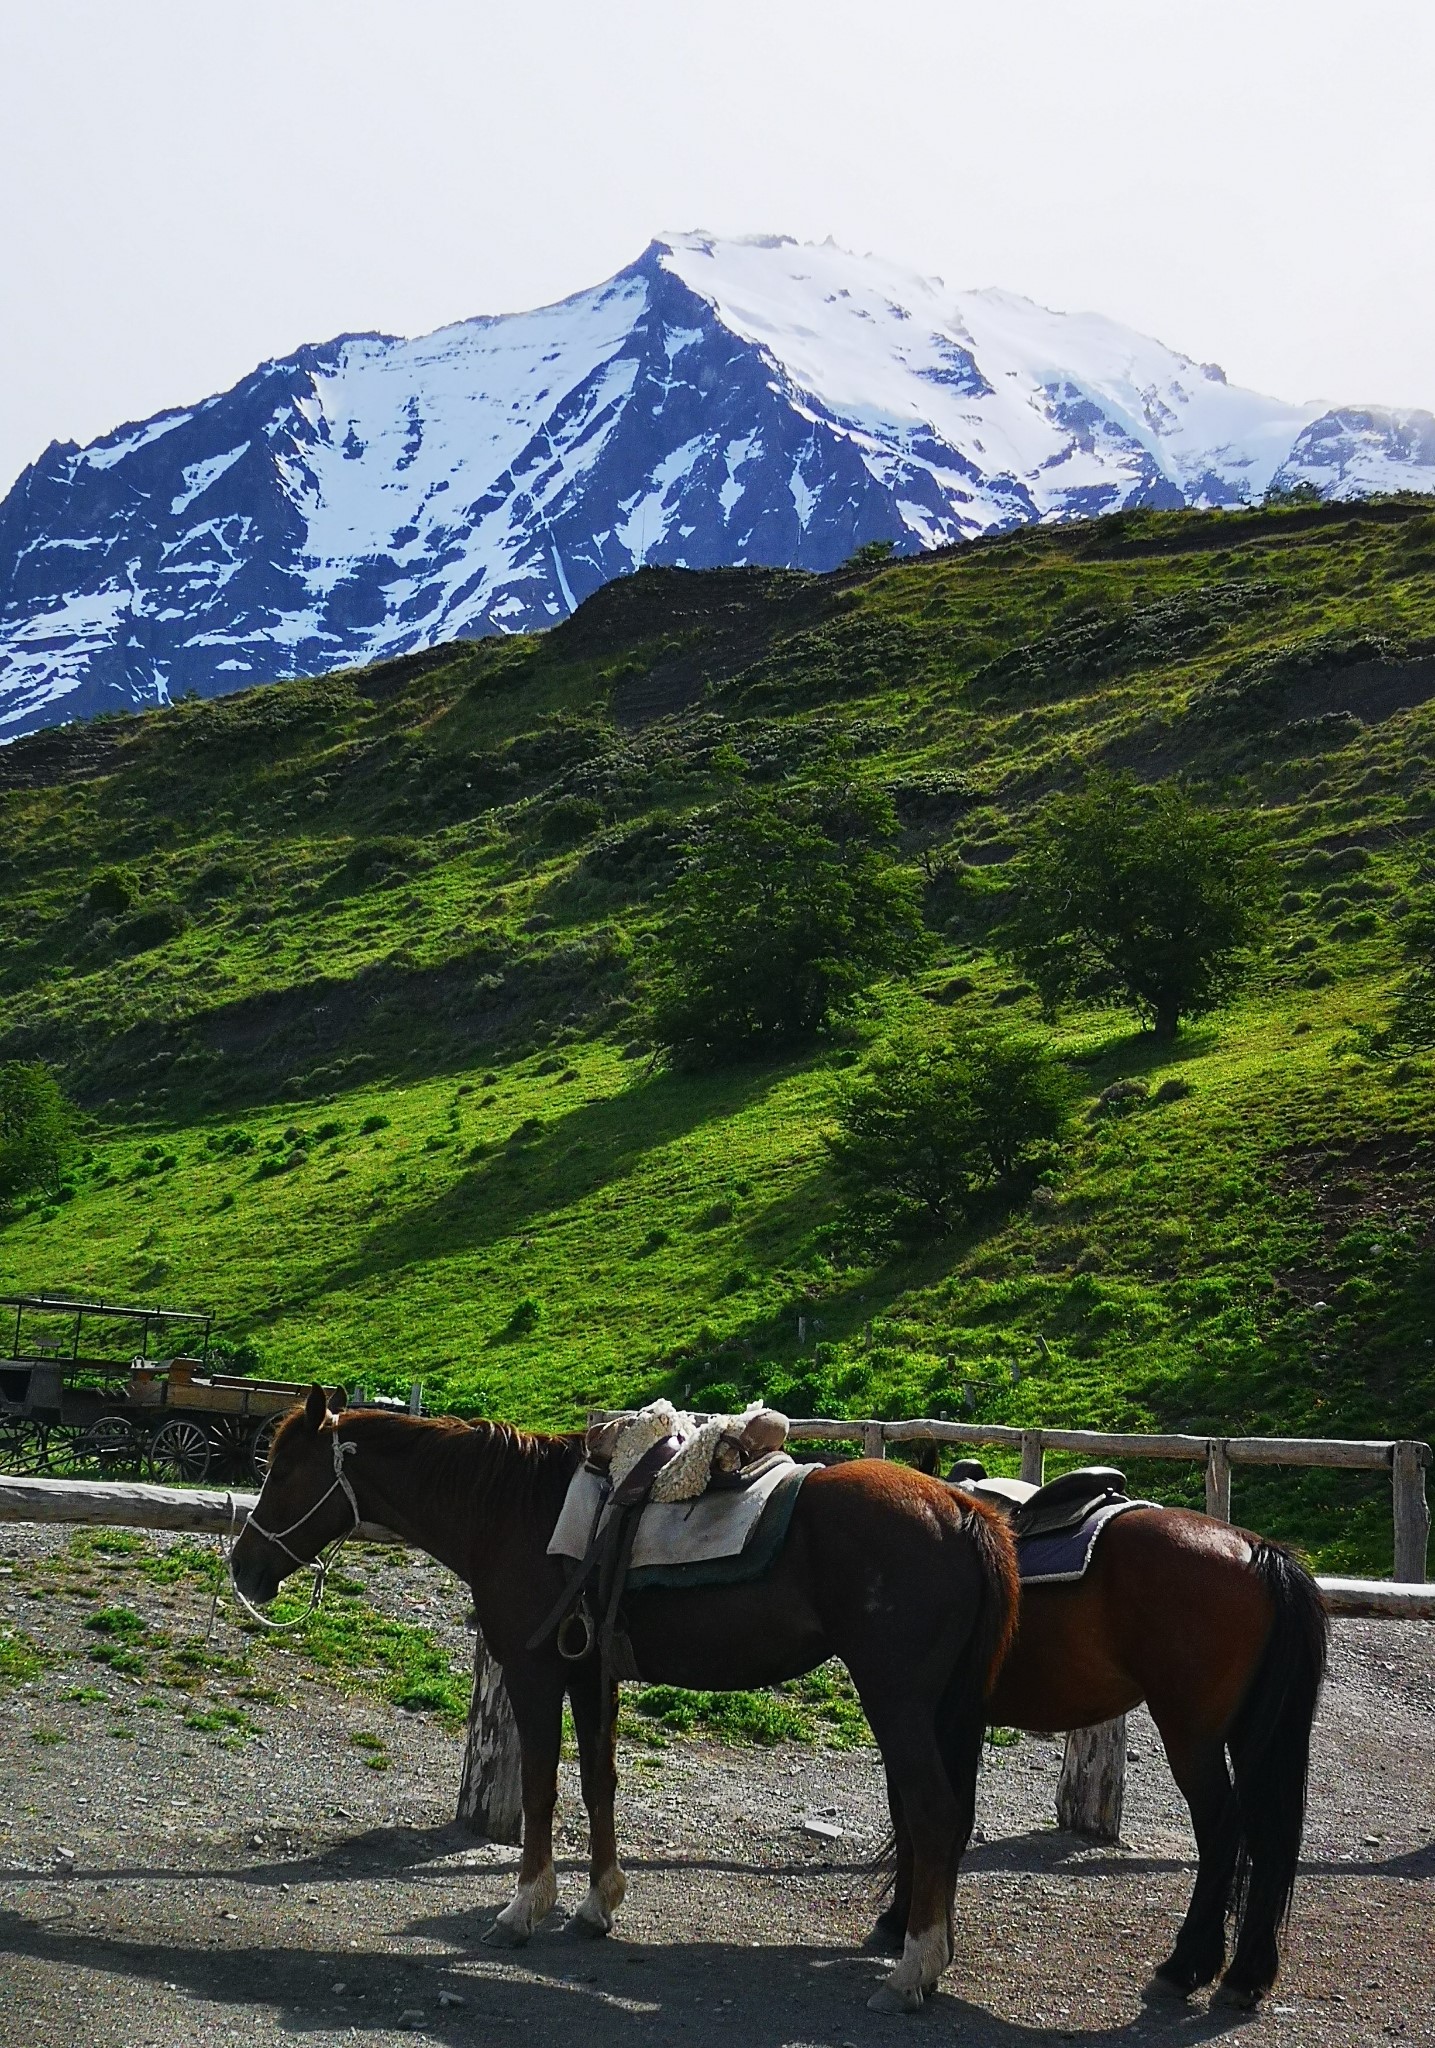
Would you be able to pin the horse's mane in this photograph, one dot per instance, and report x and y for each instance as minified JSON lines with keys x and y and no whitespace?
{"x":493,"y":1467}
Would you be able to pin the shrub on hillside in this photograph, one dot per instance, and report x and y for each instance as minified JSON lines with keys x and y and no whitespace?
{"x":154,"y":926}
{"x":372,"y":860}
{"x":569,"y":820}
{"x":36,"y":1130}
{"x":1140,"y":895}
{"x":219,"y":878}
{"x":112,"y":892}
{"x":938,"y":1123}
{"x":237,"y":1356}
{"x":526,"y":1316}
{"x":787,"y":908}
{"x":872,"y":554}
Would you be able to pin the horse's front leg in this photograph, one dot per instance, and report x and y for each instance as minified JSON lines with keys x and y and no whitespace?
{"x":597,"y":1746}
{"x":536,"y":1695}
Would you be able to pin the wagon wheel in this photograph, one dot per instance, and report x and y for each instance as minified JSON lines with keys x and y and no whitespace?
{"x":22,"y":1446}
{"x":231,"y":1436}
{"x":262,"y":1445}
{"x":179,"y":1451}
{"x":62,"y":1448}
{"x":113,"y":1444}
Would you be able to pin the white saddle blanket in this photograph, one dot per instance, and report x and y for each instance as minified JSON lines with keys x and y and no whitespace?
{"x":716,"y":1524}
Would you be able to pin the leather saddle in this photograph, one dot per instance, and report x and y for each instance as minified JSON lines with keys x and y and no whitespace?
{"x":1062,"y":1503}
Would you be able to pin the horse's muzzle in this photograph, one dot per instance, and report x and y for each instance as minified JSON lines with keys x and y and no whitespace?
{"x":254,"y":1569}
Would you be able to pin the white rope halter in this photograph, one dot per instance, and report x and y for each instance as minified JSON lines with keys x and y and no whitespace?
{"x":319,"y":1564}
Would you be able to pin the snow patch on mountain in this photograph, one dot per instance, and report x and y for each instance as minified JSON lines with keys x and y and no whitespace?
{"x":716,"y":402}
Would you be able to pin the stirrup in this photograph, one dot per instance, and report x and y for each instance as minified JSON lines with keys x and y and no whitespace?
{"x":571,"y":1653}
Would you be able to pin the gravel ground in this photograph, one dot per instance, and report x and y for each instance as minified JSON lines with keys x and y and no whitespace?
{"x":277,"y":1888}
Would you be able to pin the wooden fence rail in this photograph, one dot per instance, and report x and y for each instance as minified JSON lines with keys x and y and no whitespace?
{"x":123,"y":1504}
{"x":1407,"y":1461}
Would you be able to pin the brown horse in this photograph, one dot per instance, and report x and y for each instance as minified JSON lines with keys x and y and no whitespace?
{"x":1223,"y":1635}
{"x":912,"y":1585}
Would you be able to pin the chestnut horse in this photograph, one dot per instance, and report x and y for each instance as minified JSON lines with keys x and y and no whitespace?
{"x":911,"y":1584}
{"x":1223,"y":1635}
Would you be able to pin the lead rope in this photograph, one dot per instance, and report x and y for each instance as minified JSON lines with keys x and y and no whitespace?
{"x":319,"y":1565}
{"x":221,"y":1540}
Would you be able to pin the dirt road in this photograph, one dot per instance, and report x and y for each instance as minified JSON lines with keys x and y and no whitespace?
{"x":281,"y":1888}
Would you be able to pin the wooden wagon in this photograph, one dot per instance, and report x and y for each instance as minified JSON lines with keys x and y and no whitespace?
{"x":65,"y":1409}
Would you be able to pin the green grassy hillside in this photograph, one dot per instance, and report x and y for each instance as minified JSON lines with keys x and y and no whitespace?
{"x":359,"y":1061}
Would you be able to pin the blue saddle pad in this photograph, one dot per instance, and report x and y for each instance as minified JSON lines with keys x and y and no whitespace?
{"x":1064,"y":1556}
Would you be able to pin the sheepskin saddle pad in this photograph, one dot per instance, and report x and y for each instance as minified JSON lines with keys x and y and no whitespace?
{"x":717,"y":1494}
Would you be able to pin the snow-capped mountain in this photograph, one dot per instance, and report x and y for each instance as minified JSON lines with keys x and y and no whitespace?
{"x":717,"y":402}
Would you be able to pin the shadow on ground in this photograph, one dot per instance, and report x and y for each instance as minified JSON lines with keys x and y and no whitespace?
{"x":558,"y":1989}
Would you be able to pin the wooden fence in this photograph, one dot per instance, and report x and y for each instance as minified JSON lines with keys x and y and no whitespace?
{"x":1093,"y":1771}
{"x":1406,"y":1461}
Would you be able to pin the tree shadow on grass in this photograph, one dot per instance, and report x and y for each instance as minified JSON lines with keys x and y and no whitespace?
{"x":556,"y":1166}
{"x":886,"y":1264}
{"x":392,"y":1020}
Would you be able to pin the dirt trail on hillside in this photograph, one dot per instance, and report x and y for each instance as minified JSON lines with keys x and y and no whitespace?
{"x":283,"y":1891}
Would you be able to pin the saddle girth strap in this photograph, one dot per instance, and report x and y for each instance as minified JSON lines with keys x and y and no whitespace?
{"x":610,"y":1595}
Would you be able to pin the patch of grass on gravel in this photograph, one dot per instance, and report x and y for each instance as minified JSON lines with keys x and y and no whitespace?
{"x":231,"y":1724}
{"x":349,"y":1644}
{"x":117,"y":1621}
{"x":820,"y":1709}
{"x":21,"y":1658}
{"x":127,"y":1550}
{"x":354,"y":1645}
{"x":126,"y":1640}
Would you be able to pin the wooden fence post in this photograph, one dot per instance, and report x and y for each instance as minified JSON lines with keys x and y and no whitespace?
{"x":1412,"y":1512}
{"x":1092,"y":1786}
{"x":1033,"y":1457}
{"x":874,"y":1444}
{"x":490,"y":1795}
{"x":1218,"y":1479}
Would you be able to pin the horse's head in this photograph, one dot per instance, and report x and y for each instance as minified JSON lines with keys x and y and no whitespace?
{"x":306,"y":1503}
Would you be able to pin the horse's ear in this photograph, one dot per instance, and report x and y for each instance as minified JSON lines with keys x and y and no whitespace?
{"x":316,"y":1407}
{"x":338,"y":1401}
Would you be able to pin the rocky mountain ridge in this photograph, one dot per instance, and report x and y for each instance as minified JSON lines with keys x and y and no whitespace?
{"x":717,"y":402}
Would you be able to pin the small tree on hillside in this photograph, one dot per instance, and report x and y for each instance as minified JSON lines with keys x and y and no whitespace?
{"x":939,"y":1123}
{"x":36,"y":1129}
{"x":787,"y":909}
{"x":1140,"y":895}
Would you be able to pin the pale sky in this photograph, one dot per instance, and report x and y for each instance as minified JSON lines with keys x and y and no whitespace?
{"x":191,"y":186}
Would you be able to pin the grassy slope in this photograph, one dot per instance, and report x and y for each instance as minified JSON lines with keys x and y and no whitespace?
{"x":387,"y":917}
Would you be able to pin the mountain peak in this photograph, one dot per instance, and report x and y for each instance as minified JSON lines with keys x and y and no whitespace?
{"x":721,"y":401}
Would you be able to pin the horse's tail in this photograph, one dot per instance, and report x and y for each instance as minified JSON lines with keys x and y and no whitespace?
{"x":1269,"y":1743}
{"x":962,"y":1709}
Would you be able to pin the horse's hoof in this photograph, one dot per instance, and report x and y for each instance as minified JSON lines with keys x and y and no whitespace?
{"x":885,"y":1999}
{"x":1237,"y":1997}
{"x":501,"y":1936}
{"x":1163,"y":1990}
{"x":595,"y":1916}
